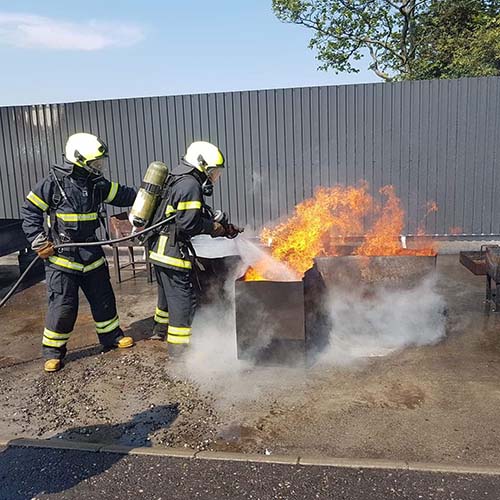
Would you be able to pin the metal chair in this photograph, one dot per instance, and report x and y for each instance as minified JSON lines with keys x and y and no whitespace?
{"x":120,"y":226}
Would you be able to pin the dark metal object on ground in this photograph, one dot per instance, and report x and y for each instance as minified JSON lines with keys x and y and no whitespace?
{"x":486,"y":262}
{"x":400,"y":271}
{"x":474,"y":261}
{"x":287,"y":321}
{"x":270,"y":320}
{"x":12,"y":237}
{"x":492,"y":258}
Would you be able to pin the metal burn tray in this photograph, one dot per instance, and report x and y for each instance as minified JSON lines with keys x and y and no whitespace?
{"x":270,"y":320}
{"x":284,"y":321}
{"x":474,"y":261}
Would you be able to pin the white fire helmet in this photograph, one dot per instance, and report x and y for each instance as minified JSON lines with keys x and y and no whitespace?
{"x":86,"y":151}
{"x":205,"y":157}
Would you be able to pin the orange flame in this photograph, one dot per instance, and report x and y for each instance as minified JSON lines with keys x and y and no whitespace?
{"x":384,"y":237}
{"x":320,"y":225}
{"x":253,"y":275}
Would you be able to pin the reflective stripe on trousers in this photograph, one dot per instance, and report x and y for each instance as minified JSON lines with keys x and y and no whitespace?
{"x":161,"y":316}
{"x":178,"y":335}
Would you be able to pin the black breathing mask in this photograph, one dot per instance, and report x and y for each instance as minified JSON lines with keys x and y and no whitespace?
{"x":207,"y":187}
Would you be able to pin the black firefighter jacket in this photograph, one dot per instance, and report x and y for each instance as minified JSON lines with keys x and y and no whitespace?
{"x":71,"y":215}
{"x":192,"y":217}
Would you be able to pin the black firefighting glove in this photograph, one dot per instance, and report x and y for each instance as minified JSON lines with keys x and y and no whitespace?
{"x":232,"y":231}
{"x":218,"y":230}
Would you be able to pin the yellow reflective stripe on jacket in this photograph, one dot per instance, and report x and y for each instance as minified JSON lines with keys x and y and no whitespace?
{"x":37,"y":201}
{"x":170,"y":210}
{"x":54,"y":335}
{"x":94,"y":265}
{"x":77,"y":217}
{"x":179,"y":330}
{"x":107,"y":326}
{"x":162,"y":241}
{"x":171,"y":261}
{"x":188,"y":205}
{"x":112,"y":192}
{"x":76,"y":266}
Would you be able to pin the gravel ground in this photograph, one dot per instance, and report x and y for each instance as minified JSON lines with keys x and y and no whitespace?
{"x":436,"y":402}
{"x":121,"y":396}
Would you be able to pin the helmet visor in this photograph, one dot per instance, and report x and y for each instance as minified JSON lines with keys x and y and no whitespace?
{"x":214,"y":173}
{"x":98,"y":165}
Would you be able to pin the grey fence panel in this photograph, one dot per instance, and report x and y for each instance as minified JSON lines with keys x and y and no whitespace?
{"x":495,"y":160}
{"x":434,"y":141}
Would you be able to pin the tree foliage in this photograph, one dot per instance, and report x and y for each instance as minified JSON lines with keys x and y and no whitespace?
{"x":405,"y":39}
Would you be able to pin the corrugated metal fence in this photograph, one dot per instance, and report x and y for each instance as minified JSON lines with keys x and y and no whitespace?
{"x":433,"y":140}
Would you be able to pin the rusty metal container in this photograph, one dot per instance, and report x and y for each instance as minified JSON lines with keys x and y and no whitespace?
{"x":285,"y":321}
{"x":398,"y":271}
{"x":270,"y":321}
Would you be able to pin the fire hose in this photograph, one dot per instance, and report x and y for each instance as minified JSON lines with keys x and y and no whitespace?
{"x":83,"y":244}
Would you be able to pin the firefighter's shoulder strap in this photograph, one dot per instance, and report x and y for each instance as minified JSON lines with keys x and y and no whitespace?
{"x":161,"y":208}
{"x":58,"y":195}
{"x":164,"y":200}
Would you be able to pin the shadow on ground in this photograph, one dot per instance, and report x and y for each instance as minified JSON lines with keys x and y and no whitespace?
{"x":55,"y":471}
{"x":132,"y":433}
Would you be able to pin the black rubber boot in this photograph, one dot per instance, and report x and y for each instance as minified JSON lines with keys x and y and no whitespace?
{"x":159,"y":332}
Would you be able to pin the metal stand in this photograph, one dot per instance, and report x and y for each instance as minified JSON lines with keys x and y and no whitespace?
{"x":120,"y":226}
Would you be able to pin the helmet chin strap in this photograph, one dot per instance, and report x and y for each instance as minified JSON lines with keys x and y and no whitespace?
{"x":93,"y":171}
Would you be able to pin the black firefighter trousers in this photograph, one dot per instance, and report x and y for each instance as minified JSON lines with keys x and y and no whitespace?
{"x":62,"y":289}
{"x":176,"y":305}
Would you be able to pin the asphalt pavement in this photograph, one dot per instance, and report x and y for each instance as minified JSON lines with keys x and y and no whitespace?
{"x":44,"y":473}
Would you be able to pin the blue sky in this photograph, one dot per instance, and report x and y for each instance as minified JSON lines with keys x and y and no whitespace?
{"x":59,"y":51}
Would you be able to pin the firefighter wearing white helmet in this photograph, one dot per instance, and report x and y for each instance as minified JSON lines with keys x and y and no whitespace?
{"x":172,"y":252}
{"x":86,"y":151}
{"x":70,"y":198}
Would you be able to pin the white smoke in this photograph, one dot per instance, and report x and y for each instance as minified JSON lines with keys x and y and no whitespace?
{"x":382,"y":322}
{"x":212,"y":359}
{"x":252,"y":253}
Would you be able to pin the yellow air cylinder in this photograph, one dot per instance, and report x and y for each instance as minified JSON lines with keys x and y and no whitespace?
{"x":147,"y":198}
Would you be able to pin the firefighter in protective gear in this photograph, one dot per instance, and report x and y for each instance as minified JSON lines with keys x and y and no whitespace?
{"x":64,"y":207}
{"x":172,"y":253}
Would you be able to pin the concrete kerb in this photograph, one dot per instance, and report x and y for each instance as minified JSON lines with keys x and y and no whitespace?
{"x":156,"y":451}
{"x":247,"y":457}
{"x":318,"y":461}
{"x":354,"y":463}
{"x":55,"y":443}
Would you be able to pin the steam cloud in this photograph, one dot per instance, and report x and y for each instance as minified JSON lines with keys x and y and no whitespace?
{"x":364,"y":326}
{"x":386,"y":322}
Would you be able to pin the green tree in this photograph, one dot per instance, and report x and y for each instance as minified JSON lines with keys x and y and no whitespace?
{"x":405,"y":39}
{"x":458,"y":38}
